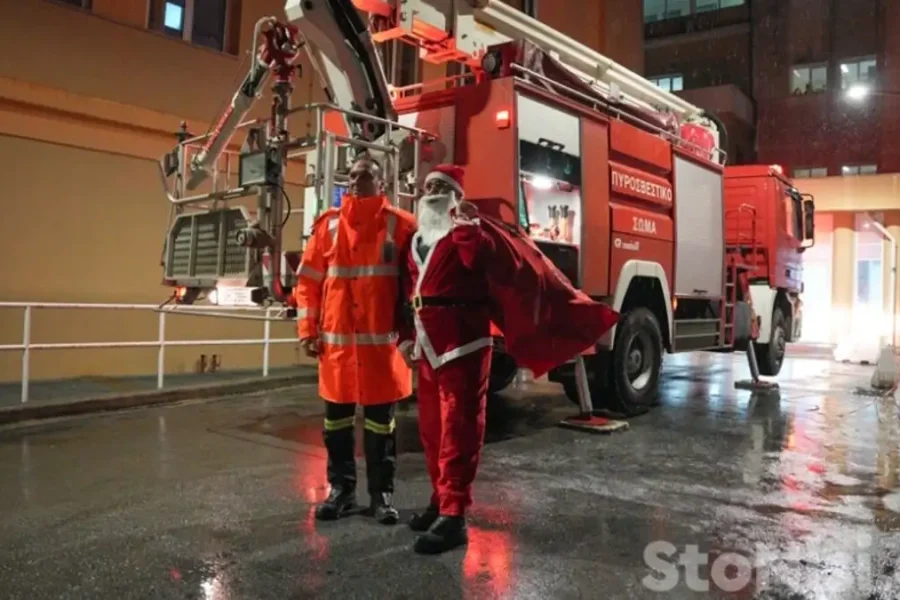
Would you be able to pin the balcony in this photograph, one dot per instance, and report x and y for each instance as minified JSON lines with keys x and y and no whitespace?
{"x":738,"y":16}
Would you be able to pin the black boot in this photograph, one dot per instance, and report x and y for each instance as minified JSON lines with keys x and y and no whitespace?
{"x":382,"y":508}
{"x":380,"y":440}
{"x":423,"y":521}
{"x":445,"y":534}
{"x":339,"y":439}
{"x":338,"y":503}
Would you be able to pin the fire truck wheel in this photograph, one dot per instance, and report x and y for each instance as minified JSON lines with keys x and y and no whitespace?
{"x":636,"y":363}
{"x":770,"y":356}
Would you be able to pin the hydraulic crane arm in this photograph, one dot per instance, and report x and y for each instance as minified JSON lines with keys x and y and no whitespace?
{"x":342,"y":52}
{"x":276,"y":54}
{"x":462,"y":30}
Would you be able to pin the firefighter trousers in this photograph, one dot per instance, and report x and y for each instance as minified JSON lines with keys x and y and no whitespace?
{"x":379,"y":441}
{"x":451,"y":402}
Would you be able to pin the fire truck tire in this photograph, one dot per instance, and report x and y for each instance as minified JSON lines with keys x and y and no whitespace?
{"x":635,"y":363}
{"x":770,"y":356}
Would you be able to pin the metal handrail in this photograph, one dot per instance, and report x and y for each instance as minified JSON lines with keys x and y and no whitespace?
{"x":27,"y":346}
{"x":596,"y":103}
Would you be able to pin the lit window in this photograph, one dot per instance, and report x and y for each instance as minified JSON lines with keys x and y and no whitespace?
{"x":707,"y":5}
{"x":849,"y":170}
{"x":808,"y":172}
{"x":174,"y":16}
{"x":670,"y":83}
{"x":201,"y":22}
{"x":806,"y":79}
{"x":858,"y":71}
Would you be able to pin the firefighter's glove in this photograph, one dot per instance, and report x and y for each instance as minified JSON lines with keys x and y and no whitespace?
{"x":311,"y":347}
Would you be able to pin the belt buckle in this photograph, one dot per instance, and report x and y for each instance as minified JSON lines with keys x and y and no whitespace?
{"x":417,"y":303}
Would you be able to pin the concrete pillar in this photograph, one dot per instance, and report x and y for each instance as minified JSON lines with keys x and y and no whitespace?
{"x":843,"y":250}
{"x":892,"y":223}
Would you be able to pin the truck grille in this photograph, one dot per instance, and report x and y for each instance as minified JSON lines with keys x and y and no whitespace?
{"x":202,"y":246}
{"x":564,"y":257}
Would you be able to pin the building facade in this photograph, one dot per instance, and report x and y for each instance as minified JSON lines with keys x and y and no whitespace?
{"x":93,"y":98}
{"x":820,"y":82}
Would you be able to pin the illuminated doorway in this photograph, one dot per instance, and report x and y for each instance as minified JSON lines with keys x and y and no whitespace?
{"x":817,"y":267}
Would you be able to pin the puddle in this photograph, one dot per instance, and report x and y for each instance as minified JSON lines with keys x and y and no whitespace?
{"x":505,"y":420}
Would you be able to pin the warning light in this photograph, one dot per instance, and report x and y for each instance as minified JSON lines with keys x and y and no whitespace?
{"x":502,"y":119}
{"x":778,"y":169}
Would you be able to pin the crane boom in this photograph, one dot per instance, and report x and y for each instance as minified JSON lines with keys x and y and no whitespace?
{"x":463,"y":30}
{"x":343,"y":54}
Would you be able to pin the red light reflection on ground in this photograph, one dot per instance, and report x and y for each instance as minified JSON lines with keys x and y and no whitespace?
{"x":487,"y":566}
{"x":310,"y":486}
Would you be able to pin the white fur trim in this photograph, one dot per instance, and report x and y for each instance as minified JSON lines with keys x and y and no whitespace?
{"x":446,"y":179}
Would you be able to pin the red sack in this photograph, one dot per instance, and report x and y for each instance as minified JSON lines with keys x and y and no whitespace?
{"x":545,"y":320}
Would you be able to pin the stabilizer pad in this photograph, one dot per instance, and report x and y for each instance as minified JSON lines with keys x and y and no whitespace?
{"x":593,"y":424}
{"x":756,"y":386}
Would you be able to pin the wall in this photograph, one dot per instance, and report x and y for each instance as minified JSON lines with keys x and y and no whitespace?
{"x":84,"y":115}
{"x":825,"y":129}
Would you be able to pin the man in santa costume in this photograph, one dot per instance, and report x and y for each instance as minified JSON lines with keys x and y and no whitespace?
{"x":450,"y":340}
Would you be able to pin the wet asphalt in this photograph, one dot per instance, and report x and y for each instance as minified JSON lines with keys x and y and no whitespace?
{"x":727,"y":494}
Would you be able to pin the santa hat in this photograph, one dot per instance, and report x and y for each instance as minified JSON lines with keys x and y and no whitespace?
{"x":449,"y":174}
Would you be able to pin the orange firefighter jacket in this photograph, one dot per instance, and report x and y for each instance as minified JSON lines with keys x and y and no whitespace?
{"x":348,"y":296}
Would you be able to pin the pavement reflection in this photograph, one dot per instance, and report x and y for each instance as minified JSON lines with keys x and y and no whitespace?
{"x":217,"y":500}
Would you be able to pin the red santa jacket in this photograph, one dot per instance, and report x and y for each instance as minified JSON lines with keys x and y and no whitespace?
{"x":454,"y":269}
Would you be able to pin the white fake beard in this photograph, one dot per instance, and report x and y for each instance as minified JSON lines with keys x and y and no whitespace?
{"x":434,"y":217}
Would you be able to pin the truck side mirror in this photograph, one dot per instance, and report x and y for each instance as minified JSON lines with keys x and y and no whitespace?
{"x":809,"y":224}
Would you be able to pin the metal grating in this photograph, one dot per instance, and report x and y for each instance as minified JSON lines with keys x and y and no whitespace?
{"x":202,"y":246}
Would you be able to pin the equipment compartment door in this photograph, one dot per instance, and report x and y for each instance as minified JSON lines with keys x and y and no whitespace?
{"x":550,"y":206}
{"x":699,"y":248}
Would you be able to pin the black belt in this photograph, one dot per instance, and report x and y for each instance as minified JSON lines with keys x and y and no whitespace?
{"x":419,"y":302}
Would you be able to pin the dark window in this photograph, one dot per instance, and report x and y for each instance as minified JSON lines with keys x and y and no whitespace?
{"x":209,"y":23}
{"x":79,"y":3}
{"x":407,"y":67}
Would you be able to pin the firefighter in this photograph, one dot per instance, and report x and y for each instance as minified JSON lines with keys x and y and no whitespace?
{"x":348,"y":302}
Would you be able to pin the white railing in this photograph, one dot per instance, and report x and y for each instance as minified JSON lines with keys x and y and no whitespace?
{"x":161,"y":343}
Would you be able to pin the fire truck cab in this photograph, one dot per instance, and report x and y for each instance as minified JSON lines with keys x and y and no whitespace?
{"x":784,"y":223}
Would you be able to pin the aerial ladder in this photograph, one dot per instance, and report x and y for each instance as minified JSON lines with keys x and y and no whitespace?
{"x":231,"y":254}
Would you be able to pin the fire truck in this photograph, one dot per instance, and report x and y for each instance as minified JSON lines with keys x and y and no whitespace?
{"x":621,"y":184}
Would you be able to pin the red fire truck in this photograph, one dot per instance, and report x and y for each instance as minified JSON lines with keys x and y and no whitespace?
{"x":620,"y":183}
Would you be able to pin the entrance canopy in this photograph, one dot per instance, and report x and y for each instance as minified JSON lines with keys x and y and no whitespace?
{"x":856,"y":193}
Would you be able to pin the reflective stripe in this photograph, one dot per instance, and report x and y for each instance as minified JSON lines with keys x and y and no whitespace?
{"x":337,"y":424}
{"x":380,"y":428}
{"x":333,"y":228}
{"x":359,"y":339}
{"x":371,"y":271}
{"x":310,"y":272}
{"x":307,"y":313}
{"x":391,"y":227}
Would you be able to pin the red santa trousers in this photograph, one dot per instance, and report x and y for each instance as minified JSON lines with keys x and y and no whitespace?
{"x":451,"y":401}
